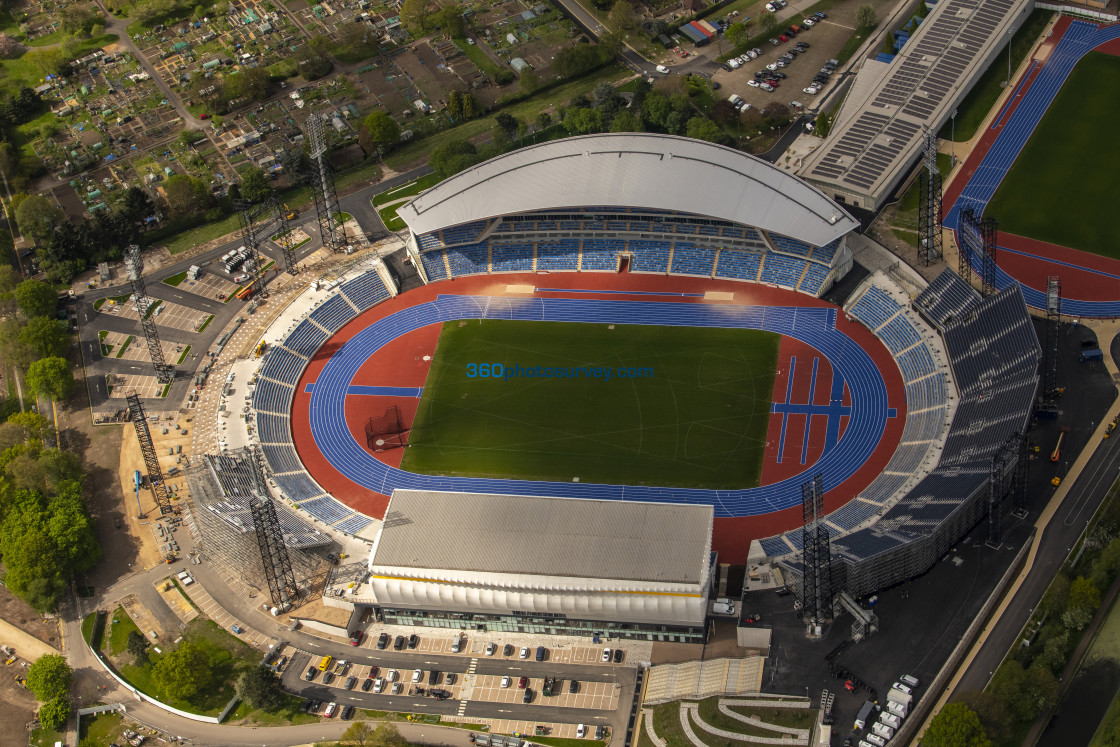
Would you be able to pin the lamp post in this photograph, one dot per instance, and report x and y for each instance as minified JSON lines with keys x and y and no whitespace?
{"x":953,"y":140}
{"x":1010,"y":37}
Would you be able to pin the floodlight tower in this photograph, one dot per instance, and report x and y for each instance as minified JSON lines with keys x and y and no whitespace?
{"x":1053,"y":328}
{"x":816,"y":584}
{"x":259,"y":222}
{"x":134,"y":267}
{"x":929,"y":205}
{"x":322,"y":187}
{"x":988,"y":229}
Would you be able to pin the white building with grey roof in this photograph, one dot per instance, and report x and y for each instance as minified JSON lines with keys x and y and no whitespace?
{"x":544,"y":565}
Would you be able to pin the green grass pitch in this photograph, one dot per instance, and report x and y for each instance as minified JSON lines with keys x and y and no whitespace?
{"x":698,"y":418}
{"x":1059,"y":188}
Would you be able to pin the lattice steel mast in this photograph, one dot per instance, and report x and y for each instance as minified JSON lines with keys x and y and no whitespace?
{"x":1050,"y":390}
{"x":134,"y":267}
{"x":816,"y":586}
{"x":148,"y":449}
{"x":964,"y":250}
{"x":929,"y":205}
{"x":1019,"y":502}
{"x":254,"y":230}
{"x":988,"y":233}
{"x":270,"y":539}
{"x":1000,"y":483}
{"x":322,"y":188}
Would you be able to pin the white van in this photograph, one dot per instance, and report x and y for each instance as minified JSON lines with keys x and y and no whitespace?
{"x":734,"y":99}
{"x":733,"y":63}
{"x":909,"y":679}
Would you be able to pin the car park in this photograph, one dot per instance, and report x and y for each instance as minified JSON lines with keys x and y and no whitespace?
{"x":382,"y":641}
{"x":528,"y":696}
{"x":311,"y":706}
{"x":523,"y":682}
{"x":185,"y":578}
{"x":506,"y":681}
{"x":331,"y":709}
{"x":413,"y":641}
{"x":356,"y":637}
{"x":600,"y":732}
{"x":328,"y":678}
{"x":367,"y":685}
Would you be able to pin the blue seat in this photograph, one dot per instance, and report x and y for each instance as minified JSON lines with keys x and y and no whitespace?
{"x":814,"y":279}
{"x":334,"y":313}
{"x":790,"y":246}
{"x":275,"y":429}
{"x":282,"y":365}
{"x":354,"y":524}
{"x":471,"y":259}
{"x":272,"y":397}
{"x":601,"y":254}
{"x":433,"y":265}
{"x":326,"y":509}
{"x":782,"y":270}
{"x":305,"y":339}
{"x":650,"y":256}
{"x":898,"y":334}
{"x":512,"y":257}
{"x":738,"y":265}
{"x":689,"y":259}
{"x":558,"y":255}
{"x":281,"y":458}
{"x":874,"y":308}
{"x":297,"y":486}
{"x":366,"y":291}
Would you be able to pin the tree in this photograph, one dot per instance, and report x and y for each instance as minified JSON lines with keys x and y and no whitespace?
{"x":259,"y":687}
{"x":866,"y":18}
{"x":627,"y":121}
{"x":1055,"y":652}
{"x":312,"y":60}
{"x":359,"y":733}
{"x":49,"y":677}
{"x":36,"y":298}
{"x":46,"y":336}
{"x":385,"y":734}
{"x":53,"y":713}
{"x":51,"y":377}
{"x":37,"y":216}
{"x":138,"y":646}
{"x":449,"y":20}
{"x":255,"y":186}
{"x":770,"y":22}
{"x":452,"y":157}
{"x":622,"y":16}
{"x":583,"y":121}
{"x":1025,"y":692}
{"x":529,"y":81}
{"x":415,"y":13}
{"x":507,"y":122}
{"x":183,"y":672}
{"x":1084,"y":599}
{"x":956,"y":725}
{"x":702,"y":128}
{"x":737,"y":34}
{"x":384,"y":132}
{"x":992,"y":712}
{"x":186,"y":196}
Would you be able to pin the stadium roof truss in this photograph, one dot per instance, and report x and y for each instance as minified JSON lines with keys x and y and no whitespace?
{"x":659,"y":172}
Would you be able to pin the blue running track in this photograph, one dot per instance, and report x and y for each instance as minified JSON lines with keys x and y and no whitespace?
{"x":1079,"y":39}
{"x":813,"y":326}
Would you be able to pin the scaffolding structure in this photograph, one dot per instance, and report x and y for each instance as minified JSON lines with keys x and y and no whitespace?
{"x":816,"y":586}
{"x":262,"y":221}
{"x":134,"y":267}
{"x":323,"y":190}
{"x":1000,"y":483}
{"x":1050,"y":390}
{"x":1019,"y":490}
{"x":148,"y":449}
{"x":929,"y":205}
{"x":970,"y":241}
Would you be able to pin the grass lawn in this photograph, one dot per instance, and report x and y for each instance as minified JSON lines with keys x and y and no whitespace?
{"x":125,"y":344}
{"x":390,"y":218}
{"x":183,"y":357}
{"x":228,"y":658}
{"x":290,"y":713}
{"x":46,"y":737}
{"x":1047,"y":172}
{"x":120,"y":626}
{"x":175,"y":279}
{"x":980,"y":100}
{"x":152,"y":309}
{"x":407,"y":190}
{"x":102,"y":729}
{"x":480,"y":59}
{"x":696,"y":418}
{"x":106,"y":350}
{"x":206,"y":323}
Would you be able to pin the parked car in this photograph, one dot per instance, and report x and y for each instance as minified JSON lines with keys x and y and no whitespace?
{"x":393,"y":675}
{"x":581,"y":731}
{"x":332,"y":708}
{"x":523,"y":682}
{"x":600,"y":732}
{"x":433,"y":676}
{"x":350,"y":682}
{"x":524,"y":654}
{"x":413,"y":641}
{"x":491,"y":648}
{"x":398,"y":644}
{"x":449,"y":678}
{"x":397,"y":688}
{"x":618,"y":656}
{"x":753,"y":83}
{"x":662,"y":69}
{"x":811,"y":90}
{"x":356,"y":637}
{"x":768,"y":87}
{"x":820,"y":15}
{"x":808,"y":22}
{"x":379,"y":685}
{"x":573,"y":686}
{"x":417,"y":674}
{"x":383,"y":640}
{"x":507,"y":650}
{"x":506,"y":681}
{"x":606,"y":654}
{"x":311,"y":672}
{"x":367,"y":685}
{"x":347,"y":712}
{"x":528,"y":696}
{"x":328,"y":678}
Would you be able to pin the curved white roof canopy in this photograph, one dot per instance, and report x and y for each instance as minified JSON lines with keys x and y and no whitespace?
{"x":661,"y":172}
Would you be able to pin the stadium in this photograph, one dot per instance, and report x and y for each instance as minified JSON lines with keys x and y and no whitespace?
{"x":693,"y":275}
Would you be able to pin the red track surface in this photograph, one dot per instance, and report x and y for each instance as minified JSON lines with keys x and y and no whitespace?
{"x":402,"y":363}
{"x":1083,"y":284}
